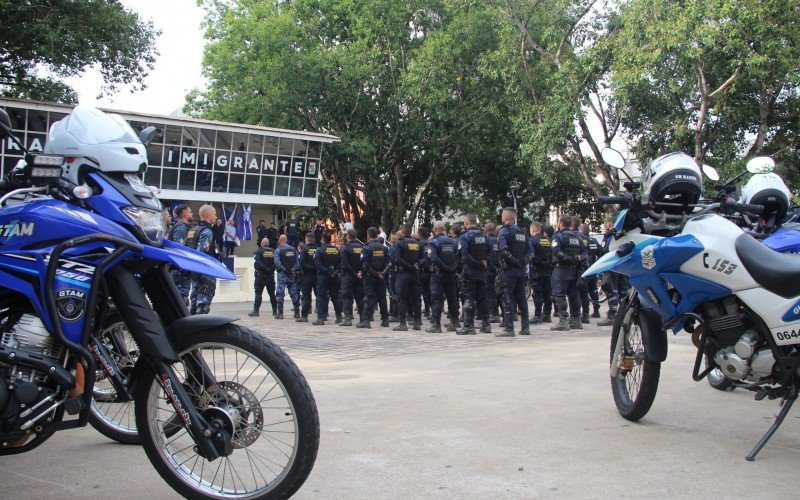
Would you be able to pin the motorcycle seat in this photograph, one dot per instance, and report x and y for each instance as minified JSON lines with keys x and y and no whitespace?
{"x":777,"y":272}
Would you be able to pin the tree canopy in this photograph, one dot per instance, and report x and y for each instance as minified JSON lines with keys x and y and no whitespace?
{"x":42,"y":41}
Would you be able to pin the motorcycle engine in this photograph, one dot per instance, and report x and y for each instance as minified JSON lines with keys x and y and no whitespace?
{"x":739,"y":350}
{"x":21,"y":387}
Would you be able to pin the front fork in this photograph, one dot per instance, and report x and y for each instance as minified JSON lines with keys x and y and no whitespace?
{"x":619,"y":360}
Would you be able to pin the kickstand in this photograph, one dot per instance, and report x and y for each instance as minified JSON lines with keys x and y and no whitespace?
{"x":787,"y":403}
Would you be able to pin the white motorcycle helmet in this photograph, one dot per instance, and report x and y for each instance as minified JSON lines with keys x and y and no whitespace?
{"x":675,"y":179}
{"x":770,"y":191}
{"x":104,"y":139}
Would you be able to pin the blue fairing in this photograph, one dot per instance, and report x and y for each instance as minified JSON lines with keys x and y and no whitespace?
{"x":188,"y":260}
{"x":620,"y":222}
{"x":784,"y":240}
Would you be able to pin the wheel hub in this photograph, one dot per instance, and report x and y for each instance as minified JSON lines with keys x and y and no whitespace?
{"x":241,"y":407}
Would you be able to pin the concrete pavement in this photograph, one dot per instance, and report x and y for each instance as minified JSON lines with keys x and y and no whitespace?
{"x":410,"y":415}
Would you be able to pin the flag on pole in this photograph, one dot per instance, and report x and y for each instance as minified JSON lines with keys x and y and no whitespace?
{"x":246,"y":228}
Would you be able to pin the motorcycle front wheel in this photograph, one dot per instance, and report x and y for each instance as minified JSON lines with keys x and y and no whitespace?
{"x":273,"y":416}
{"x":636,"y":382}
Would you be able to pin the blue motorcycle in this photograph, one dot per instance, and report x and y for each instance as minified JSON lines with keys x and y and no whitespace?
{"x":221,"y":411}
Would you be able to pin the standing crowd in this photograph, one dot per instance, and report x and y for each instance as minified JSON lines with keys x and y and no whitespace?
{"x":479,"y":273}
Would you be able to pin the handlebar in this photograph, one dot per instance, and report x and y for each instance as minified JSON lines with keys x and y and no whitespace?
{"x":748,"y":208}
{"x":611,"y":200}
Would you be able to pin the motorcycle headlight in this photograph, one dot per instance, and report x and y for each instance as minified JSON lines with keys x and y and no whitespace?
{"x":150,"y":222}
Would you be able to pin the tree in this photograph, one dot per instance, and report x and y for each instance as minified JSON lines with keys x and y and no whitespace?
{"x":717,"y":79}
{"x":43,"y":40}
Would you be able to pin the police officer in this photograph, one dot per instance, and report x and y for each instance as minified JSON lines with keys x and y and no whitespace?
{"x":614,"y":285}
{"x":352,"y":278}
{"x":407,"y":255}
{"x":423,"y":234}
{"x":568,"y":255}
{"x":308,"y":276}
{"x":261,"y":230}
{"x":264,"y":262}
{"x":494,"y":268}
{"x":475,"y":255}
{"x":456,"y":232}
{"x":512,"y":243}
{"x":292,"y":231}
{"x":594,"y":250}
{"x":375,"y":266}
{"x":582,"y":285}
{"x":272,"y":234}
{"x":288,"y":265}
{"x":205,"y":286}
{"x":441,"y":260}
{"x":182,"y":233}
{"x":391,"y":284}
{"x":328,"y":264}
{"x":541,"y":273}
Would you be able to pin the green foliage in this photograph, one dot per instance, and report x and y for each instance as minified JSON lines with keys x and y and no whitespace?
{"x":62,"y":38}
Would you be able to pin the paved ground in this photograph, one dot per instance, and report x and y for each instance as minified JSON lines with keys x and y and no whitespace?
{"x":410,"y":415}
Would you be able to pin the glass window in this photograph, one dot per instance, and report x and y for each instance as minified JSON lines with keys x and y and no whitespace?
{"x":190,"y":136}
{"x":300,"y":148}
{"x":188,"y":158}
{"x":35,"y":142}
{"x":17,"y":116}
{"x":205,"y":159}
{"x":137,"y":126}
{"x":281,"y":186}
{"x":314,"y":149}
{"x":172,"y":155}
{"x":172,"y":135}
{"x":271,"y":145}
{"x":54,"y":117}
{"x":251,"y":184}
{"x":203,"y":182}
{"x":296,"y":187}
{"x":152,"y":176}
{"x":222,"y":160}
{"x":267,"y":184}
{"x":269,"y":165}
{"x":169,"y":178}
{"x":284,"y":165}
{"x":224,"y":139}
{"x":159,"y":137}
{"x":286,"y":147}
{"x":239,"y":142}
{"x":187,"y":180}
{"x":206,"y":138}
{"x":312,"y":168}
{"x":310,"y":190}
{"x":253,"y":164}
{"x":236,"y":183}
{"x":37,"y":120}
{"x":219,"y":183}
{"x":154,"y":152}
{"x":298,"y":167}
{"x":237,"y":162}
{"x":255,"y":144}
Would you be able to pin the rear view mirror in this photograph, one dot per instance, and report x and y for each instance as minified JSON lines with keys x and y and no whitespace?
{"x":711,"y":172}
{"x":613,"y":158}
{"x":761,"y":165}
{"x":5,"y":124}
{"x":146,"y":135}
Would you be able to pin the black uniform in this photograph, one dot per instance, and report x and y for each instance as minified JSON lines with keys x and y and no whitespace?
{"x":293,"y":232}
{"x":407,"y":254}
{"x":264,"y":262}
{"x":308,"y":277}
{"x":425,"y":275}
{"x":441,"y":260}
{"x":272,"y":234}
{"x":375,"y":266}
{"x":261,"y":231}
{"x":475,"y":255}
{"x":514,"y":248}
{"x":352,"y":284}
{"x":491,"y":276}
{"x":568,"y":254}
{"x":541,"y":275}
{"x":587,"y":287}
{"x":328,"y":264}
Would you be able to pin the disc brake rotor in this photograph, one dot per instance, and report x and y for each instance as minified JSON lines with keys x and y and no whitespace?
{"x":243,"y":408}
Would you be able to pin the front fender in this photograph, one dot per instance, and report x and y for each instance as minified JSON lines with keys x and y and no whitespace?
{"x":187,"y":259}
{"x":184,"y":327}
{"x":653,"y":337}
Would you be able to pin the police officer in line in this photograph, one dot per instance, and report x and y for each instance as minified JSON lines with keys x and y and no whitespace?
{"x":593,"y":248}
{"x":423,"y":234}
{"x":292,"y":231}
{"x":582,"y":285}
{"x":514,"y":249}
{"x":475,"y":255}
{"x":264,"y":263}
{"x":352,"y":281}
{"x":569,"y":253}
{"x":308,"y":275}
{"x":494,"y":268}
{"x":407,"y":255}
{"x":541,"y":273}
{"x":204,"y":287}
{"x":441,"y":261}
{"x":288,"y":266}
{"x":272,"y":234}
{"x":456,"y":232}
{"x":261,"y":230}
{"x":182,"y":233}
{"x":391,"y":284}
{"x":375,"y":266}
{"x":328,"y":264}
{"x":614,"y":285}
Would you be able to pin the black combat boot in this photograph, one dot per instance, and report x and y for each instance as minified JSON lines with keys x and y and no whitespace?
{"x":547,"y":319}
{"x":347,"y":321}
{"x":338,"y":319}
{"x":469,"y":325}
{"x":585,"y":319}
{"x":254,"y":312}
{"x":609,"y":320}
{"x":435,"y":327}
{"x":575,"y":324}
{"x":385,"y":322}
{"x":486,"y":327}
{"x":280,"y":311}
{"x":508,"y":326}
{"x":296,"y":309}
{"x":537,"y":320}
{"x":319,"y":321}
{"x":596,"y":313}
{"x":364,"y":323}
{"x":417,"y":324}
{"x":562,"y":326}
{"x":302,"y":319}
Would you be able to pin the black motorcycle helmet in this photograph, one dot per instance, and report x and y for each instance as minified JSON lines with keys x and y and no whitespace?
{"x":673,"y":182}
